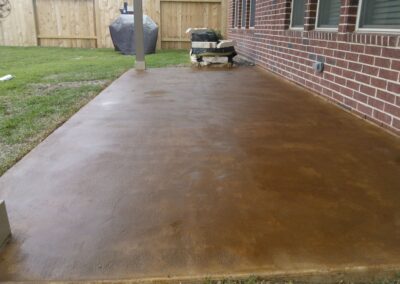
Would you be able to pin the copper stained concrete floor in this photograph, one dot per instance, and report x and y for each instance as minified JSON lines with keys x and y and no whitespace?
{"x":186,"y":172}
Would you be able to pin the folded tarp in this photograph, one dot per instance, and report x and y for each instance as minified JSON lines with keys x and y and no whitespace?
{"x":225,"y":43}
{"x":204,"y":35}
{"x":204,"y":44}
{"x":225,"y":51}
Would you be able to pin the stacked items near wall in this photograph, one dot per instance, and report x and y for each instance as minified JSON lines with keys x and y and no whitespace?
{"x":208,"y":48}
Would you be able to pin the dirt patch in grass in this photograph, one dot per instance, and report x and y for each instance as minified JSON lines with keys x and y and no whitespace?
{"x":41,"y":89}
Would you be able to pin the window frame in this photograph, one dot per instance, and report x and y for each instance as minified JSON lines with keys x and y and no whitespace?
{"x":243,"y":19}
{"x":233,"y":23}
{"x":325,"y":28}
{"x":250,"y":26}
{"x":291,"y":19}
{"x":371,"y":30}
{"x":236,"y":14}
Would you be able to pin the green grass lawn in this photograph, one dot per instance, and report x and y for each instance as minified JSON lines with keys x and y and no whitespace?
{"x":50,"y":85}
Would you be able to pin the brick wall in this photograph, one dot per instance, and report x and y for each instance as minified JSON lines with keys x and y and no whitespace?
{"x":361,"y":69}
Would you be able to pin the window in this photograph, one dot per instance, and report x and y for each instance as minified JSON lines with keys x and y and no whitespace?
{"x":328,"y":14}
{"x":379,"y":14}
{"x":233,"y":13}
{"x":244,"y":11}
{"x":297,"y":19}
{"x":252,"y":13}
{"x":236,"y":14}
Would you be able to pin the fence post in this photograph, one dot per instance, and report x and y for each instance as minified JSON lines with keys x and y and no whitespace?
{"x":35,"y":19}
{"x":96,"y":21}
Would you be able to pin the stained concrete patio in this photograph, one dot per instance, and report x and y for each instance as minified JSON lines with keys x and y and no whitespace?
{"x":185,"y":172}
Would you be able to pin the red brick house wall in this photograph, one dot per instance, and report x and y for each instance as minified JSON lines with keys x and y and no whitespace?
{"x":361,"y":70}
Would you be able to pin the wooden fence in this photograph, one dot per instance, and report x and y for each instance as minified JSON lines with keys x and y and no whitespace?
{"x":84,"y":23}
{"x":176,"y":16}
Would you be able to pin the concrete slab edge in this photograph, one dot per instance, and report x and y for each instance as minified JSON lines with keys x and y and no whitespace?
{"x":354,"y":274}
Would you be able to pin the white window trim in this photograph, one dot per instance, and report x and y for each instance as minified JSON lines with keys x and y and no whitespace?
{"x":250,"y":26}
{"x":291,"y":20}
{"x":371,"y":30}
{"x":326,"y":29}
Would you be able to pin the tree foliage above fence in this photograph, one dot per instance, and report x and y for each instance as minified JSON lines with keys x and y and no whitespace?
{"x":5,"y":9}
